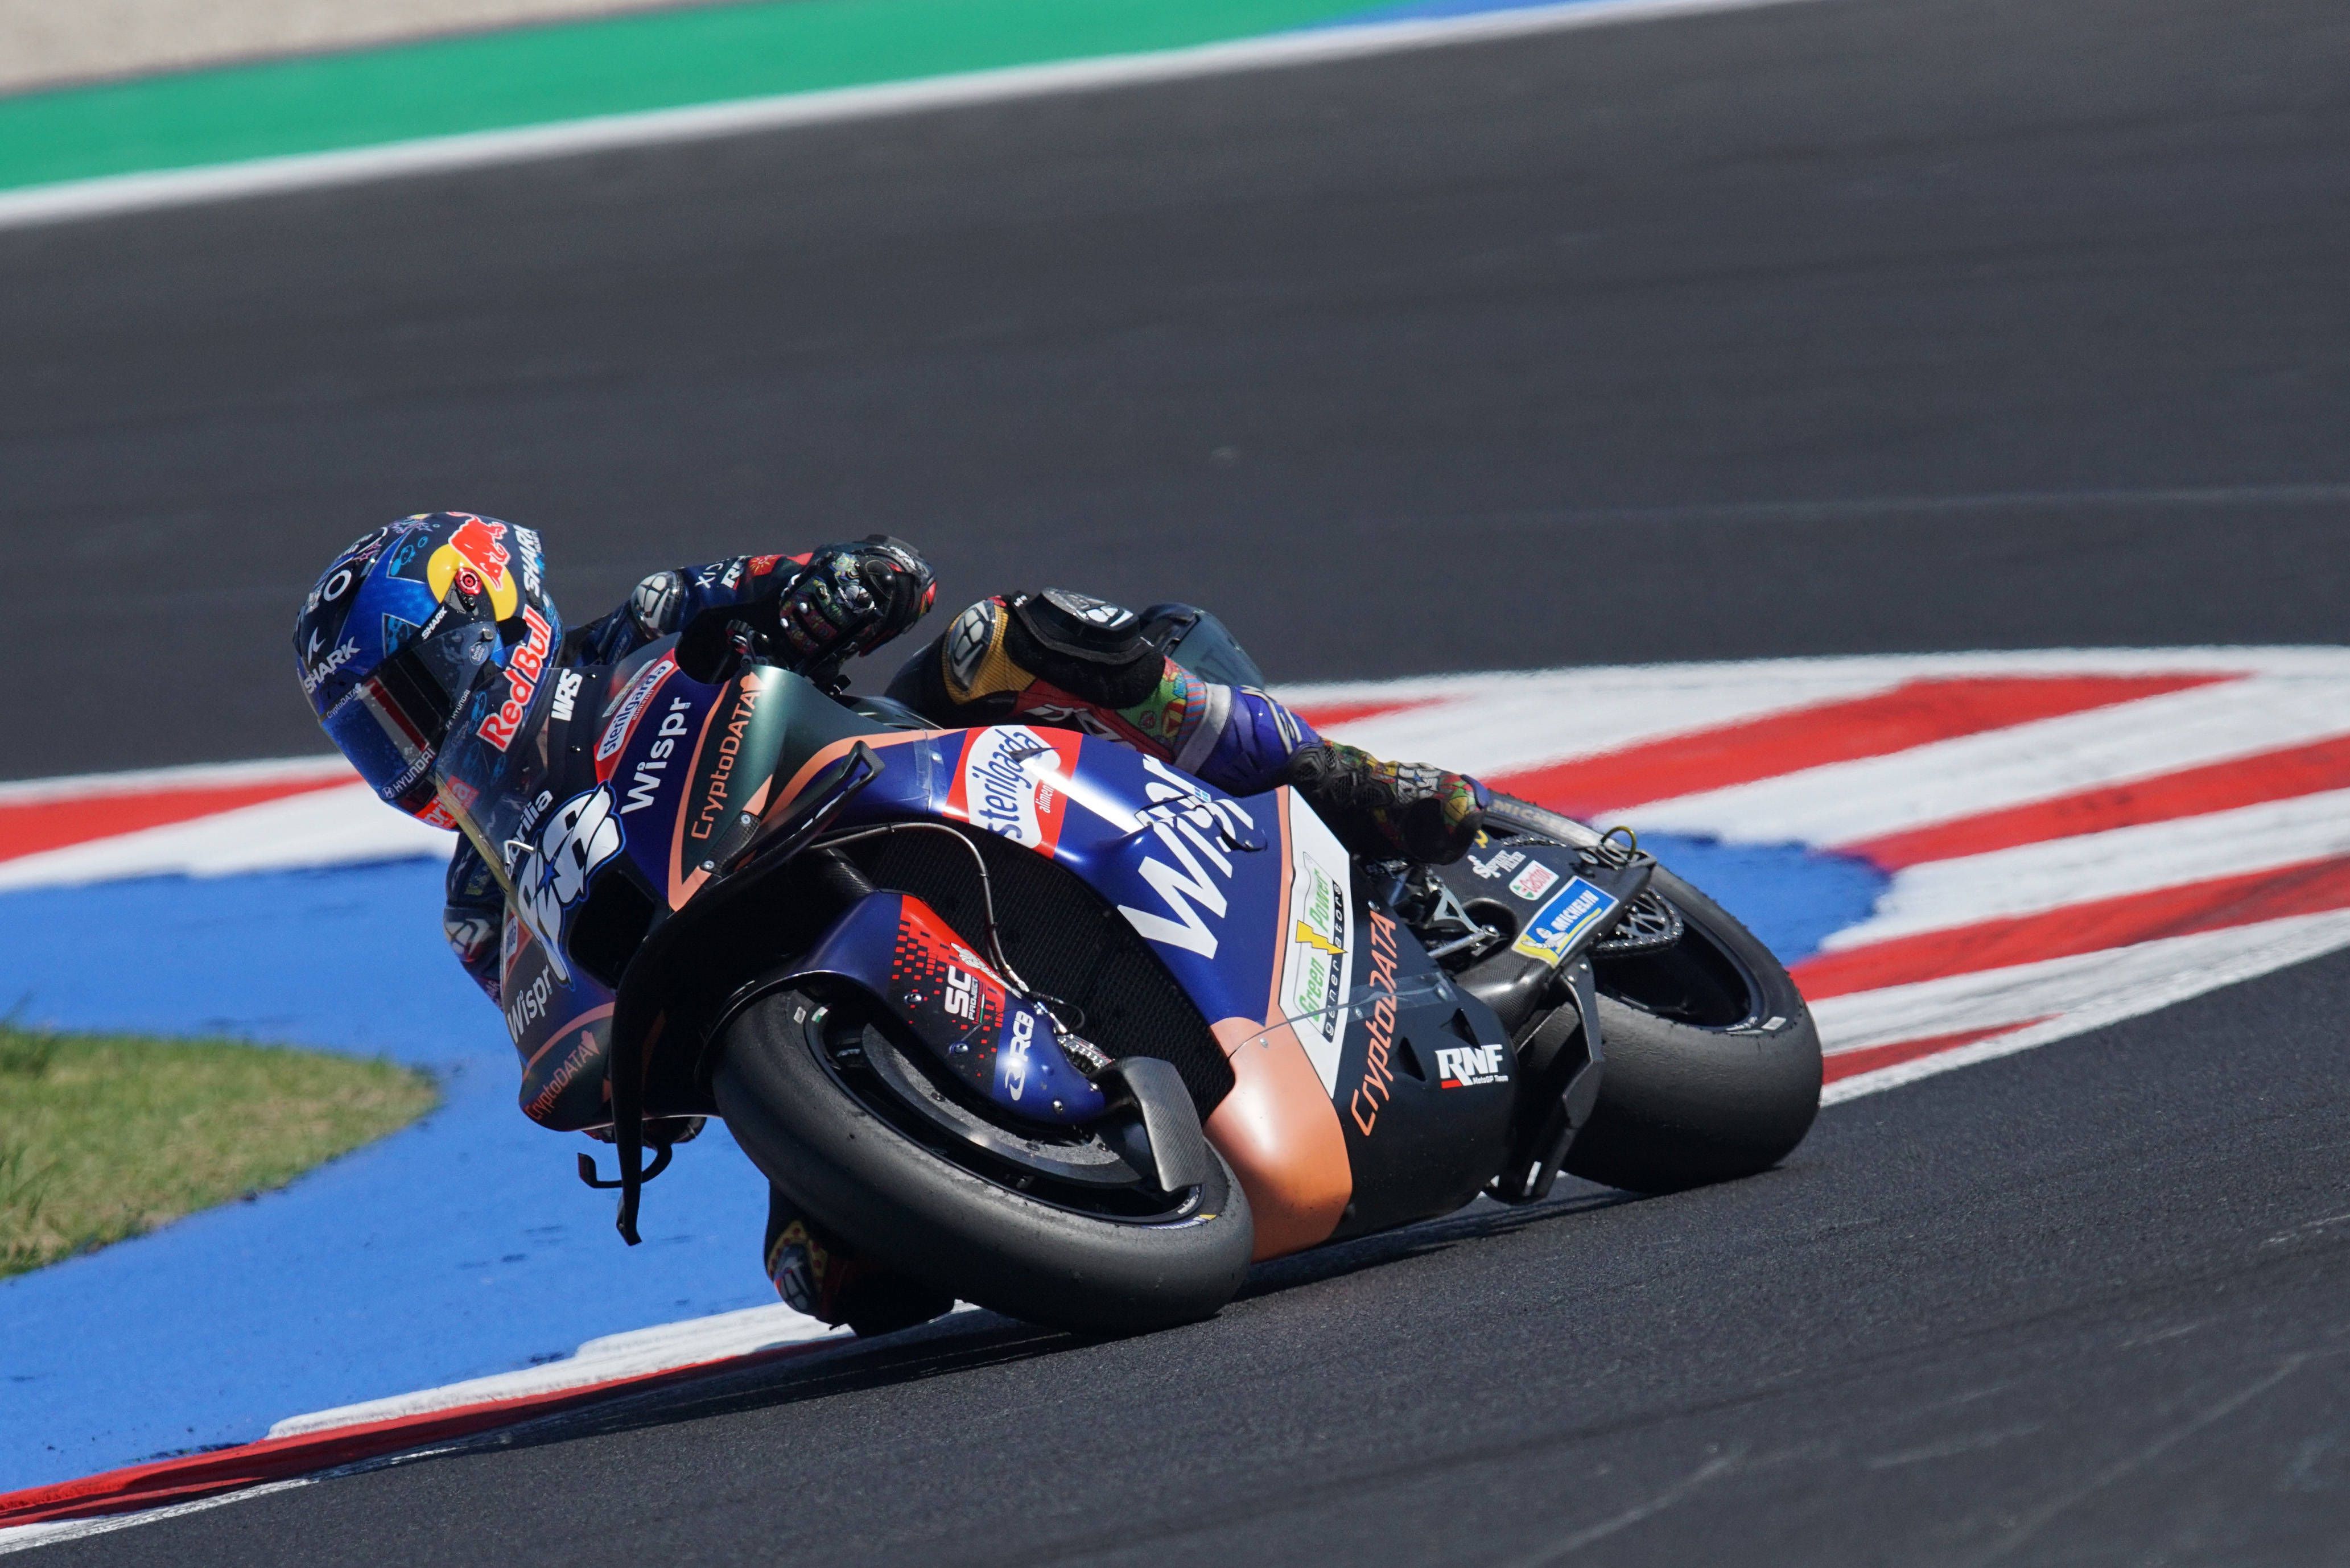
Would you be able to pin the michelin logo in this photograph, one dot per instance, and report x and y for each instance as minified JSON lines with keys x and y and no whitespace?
{"x":1558,"y":925}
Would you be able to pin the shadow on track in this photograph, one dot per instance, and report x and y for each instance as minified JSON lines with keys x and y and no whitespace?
{"x":967,"y":1342}
{"x":1481,"y":1219}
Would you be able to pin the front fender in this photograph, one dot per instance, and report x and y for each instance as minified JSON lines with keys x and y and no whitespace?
{"x":895,"y":948}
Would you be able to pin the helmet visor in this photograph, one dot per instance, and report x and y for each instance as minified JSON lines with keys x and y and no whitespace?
{"x":391,"y":725}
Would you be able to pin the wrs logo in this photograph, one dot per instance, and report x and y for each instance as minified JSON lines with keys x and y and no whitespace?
{"x":1466,"y":1067}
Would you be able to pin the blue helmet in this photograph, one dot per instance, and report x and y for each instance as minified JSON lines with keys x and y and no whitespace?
{"x":410,"y":628}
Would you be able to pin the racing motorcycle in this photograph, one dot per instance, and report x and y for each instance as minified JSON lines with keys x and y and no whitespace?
{"x":1058,"y":1028}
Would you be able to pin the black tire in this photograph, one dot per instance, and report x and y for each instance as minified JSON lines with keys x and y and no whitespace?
{"x":907,"y":1206}
{"x":1712,"y":1060}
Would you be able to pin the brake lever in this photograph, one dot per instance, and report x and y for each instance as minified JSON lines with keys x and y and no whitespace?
{"x":746,"y":641}
{"x":753,"y":645}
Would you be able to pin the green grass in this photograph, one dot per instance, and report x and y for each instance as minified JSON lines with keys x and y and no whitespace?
{"x":107,"y":1136}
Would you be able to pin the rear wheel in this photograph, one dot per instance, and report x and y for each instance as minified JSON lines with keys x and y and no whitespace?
{"x":1054,"y":1226}
{"x":1712,"y":1061}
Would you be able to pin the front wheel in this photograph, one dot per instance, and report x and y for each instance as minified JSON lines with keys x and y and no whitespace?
{"x":1044,"y":1225}
{"x":1712,"y":1061}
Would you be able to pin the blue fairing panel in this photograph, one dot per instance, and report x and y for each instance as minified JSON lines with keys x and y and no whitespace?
{"x":899,"y":952}
{"x":1201,"y":875}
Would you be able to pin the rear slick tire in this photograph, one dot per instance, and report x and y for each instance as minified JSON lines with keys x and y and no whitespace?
{"x":1728,"y":1089}
{"x":908,"y":1206}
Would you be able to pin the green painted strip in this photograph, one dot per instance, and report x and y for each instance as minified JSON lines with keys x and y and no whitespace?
{"x":613,"y":64}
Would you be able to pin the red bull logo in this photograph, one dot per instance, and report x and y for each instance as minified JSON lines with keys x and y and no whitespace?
{"x":524,"y":668}
{"x":475,"y":559}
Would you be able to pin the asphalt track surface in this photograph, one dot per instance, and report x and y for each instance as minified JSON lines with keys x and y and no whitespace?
{"x":1844,"y":327}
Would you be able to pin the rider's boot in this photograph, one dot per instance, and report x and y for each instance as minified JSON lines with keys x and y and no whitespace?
{"x":1071,"y":661}
{"x":817,"y":1273}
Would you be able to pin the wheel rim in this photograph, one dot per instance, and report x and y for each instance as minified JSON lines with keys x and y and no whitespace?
{"x":1695,"y":981}
{"x":1079,"y":1170}
{"x":1650,"y":924}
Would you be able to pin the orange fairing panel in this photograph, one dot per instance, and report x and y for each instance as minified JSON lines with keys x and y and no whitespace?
{"x":1279,"y":1134}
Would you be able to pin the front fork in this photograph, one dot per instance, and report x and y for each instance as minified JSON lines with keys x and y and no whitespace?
{"x":1558,"y":1073}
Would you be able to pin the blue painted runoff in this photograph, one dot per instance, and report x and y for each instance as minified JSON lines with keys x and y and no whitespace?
{"x":460,"y":1247}
{"x":1791,"y":895}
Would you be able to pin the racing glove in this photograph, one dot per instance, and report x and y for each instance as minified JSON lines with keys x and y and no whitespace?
{"x":848,"y":599}
{"x":1381,"y":808}
{"x":852,"y":598}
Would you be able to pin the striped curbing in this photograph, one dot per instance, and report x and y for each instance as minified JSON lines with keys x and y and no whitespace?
{"x":2071,"y":838}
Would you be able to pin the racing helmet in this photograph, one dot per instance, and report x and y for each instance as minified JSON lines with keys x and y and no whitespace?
{"x":406,"y":634}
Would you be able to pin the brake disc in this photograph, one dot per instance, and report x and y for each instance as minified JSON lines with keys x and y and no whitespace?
{"x":1650,"y":924}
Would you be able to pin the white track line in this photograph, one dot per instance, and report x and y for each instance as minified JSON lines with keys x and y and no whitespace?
{"x":664,"y":1348}
{"x":1886,"y":669}
{"x":2062,"y":872}
{"x":2121,"y":982}
{"x":441,"y":155}
{"x":162,"y":781}
{"x":25,"y":1537}
{"x":639,"y":1353}
{"x":2286,"y":942}
{"x":697,"y":1343}
{"x":1502,"y":723}
{"x":1844,"y":803}
{"x":1510,"y":727}
{"x":322,"y":827}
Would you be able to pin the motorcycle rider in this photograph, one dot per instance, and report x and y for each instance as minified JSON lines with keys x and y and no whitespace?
{"x":408,"y":626}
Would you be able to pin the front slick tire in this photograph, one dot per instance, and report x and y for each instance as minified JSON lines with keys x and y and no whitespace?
{"x":1714,"y":1062}
{"x":906,"y":1205}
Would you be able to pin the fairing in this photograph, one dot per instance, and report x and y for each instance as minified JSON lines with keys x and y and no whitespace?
{"x":1334,"y":1021}
{"x":892,"y":946}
